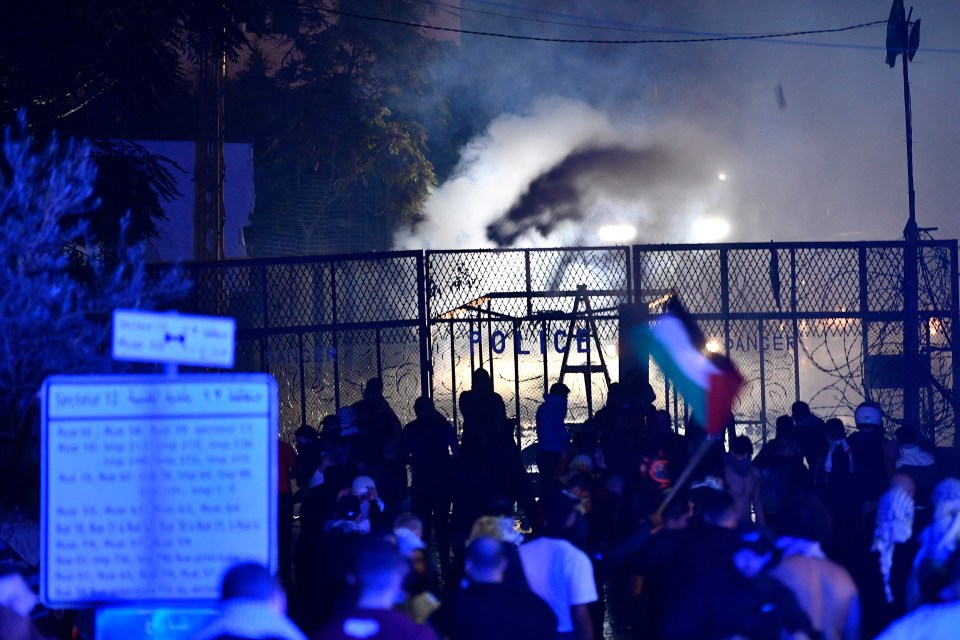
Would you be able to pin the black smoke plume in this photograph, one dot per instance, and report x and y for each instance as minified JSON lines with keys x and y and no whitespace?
{"x":561,"y":193}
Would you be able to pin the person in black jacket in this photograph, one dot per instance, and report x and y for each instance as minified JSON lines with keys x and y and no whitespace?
{"x":489,"y":608}
{"x":429,"y":444}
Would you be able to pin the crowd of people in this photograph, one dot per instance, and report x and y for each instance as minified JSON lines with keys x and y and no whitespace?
{"x":827,"y":531}
{"x":417,"y":531}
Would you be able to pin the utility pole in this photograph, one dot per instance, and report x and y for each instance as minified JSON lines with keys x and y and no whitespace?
{"x":209,"y":214}
{"x":903,"y":41}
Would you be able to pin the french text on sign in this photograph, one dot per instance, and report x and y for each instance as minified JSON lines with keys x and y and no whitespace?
{"x":147,"y":336}
{"x":153,"y":486}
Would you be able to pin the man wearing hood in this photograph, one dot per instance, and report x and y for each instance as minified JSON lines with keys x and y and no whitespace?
{"x":552,"y":435}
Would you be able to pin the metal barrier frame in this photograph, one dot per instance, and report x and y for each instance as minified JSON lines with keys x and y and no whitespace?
{"x":397,"y":306}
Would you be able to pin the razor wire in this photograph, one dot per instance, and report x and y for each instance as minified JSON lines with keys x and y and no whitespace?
{"x":803,"y":321}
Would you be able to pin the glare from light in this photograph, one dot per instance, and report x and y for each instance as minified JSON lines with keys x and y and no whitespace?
{"x":714,"y":346}
{"x":618,"y":233}
{"x":710,"y":229}
{"x":722,"y":176}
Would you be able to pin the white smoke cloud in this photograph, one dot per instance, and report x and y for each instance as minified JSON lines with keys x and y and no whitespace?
{"x":496,"y":168}
{"x":809,"y":131}
{"x":622,"y":182}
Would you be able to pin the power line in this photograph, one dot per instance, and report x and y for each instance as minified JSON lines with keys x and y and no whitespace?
{"x":491,"y":34}
{"x":703,"y":37}
{"x":579,"y":22}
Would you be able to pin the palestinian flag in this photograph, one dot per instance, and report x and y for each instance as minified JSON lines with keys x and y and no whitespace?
{"x":709,"y":384}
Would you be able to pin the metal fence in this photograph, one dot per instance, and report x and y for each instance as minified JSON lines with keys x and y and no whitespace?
{"x":529,"y":317}
{"x":323,"y":326}
{"x":821,"y":322}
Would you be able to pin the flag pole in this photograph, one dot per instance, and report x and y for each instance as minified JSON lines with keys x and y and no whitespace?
{"x":685,"y":475}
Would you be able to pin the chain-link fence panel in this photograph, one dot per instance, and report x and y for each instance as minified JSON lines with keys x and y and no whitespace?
{"x":827,"y":280}
{"x":323,"y":327}
{"x":466,"y":278}
{"x":884,"y":278}
{"x":530,"y":318}
{"x":759,"y":280}
{"x":816,"y":322}
{"x":283,"y":363}
{"x":661,"y":269}
{"x":320,"y":389}
{"x":822,"y":323}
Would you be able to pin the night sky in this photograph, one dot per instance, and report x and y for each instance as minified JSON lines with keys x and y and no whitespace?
{"x":798,"y":138}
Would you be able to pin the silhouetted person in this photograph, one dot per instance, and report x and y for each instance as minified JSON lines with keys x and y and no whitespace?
{"x":706,"y":542}
{"x":286,"y":463}
{"x":620,"y":425}
{"x":919,"y":464}
{"x":743,"y":481}
{"x":552,"y":435}
{"x":308,"y":449}
{"x":377,"y":573}
{"x":782,"y":472}
{"x":422,"y":582}
{"x":739,"y":599}
{"x":487,"y":608}
{"x":662,"y":454}
{"x":559,"y":572}
{"x":253,"y":606}
{"x":481,"y":407}
{"x":834,"y":483}
{"x":500,"y":527}
{"x":489,"y":478}
{"x":324,"y":569}
{"x":824,"y":589}
{"x":652,"y":565}
{"x":378,"y":447}
{"x":430,"y":444}
{"x":810,"y":433}
{"x":874,"y":457}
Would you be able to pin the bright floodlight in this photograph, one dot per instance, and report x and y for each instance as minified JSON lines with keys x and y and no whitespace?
{"x":721,"y":176}
{"x":619,"y":233}
{"x":714,"y":345}
{"x":710,"y":229}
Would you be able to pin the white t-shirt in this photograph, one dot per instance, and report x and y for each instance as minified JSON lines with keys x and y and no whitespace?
{"x":930,"y":622}
{"x":559,"y":573}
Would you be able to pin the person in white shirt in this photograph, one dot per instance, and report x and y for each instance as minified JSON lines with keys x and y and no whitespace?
{"x":932,"y":621}
{"x":559,"y":572}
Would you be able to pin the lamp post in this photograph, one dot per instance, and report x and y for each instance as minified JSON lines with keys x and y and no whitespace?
{"x":903,"y":41}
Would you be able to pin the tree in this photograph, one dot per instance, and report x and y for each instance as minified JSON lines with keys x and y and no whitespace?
{"x":110,"y":71}
{"x":58,"y":289}
{"x":348,"y":107}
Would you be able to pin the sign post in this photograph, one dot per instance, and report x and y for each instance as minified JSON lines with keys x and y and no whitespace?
{"x":153,"y":486}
